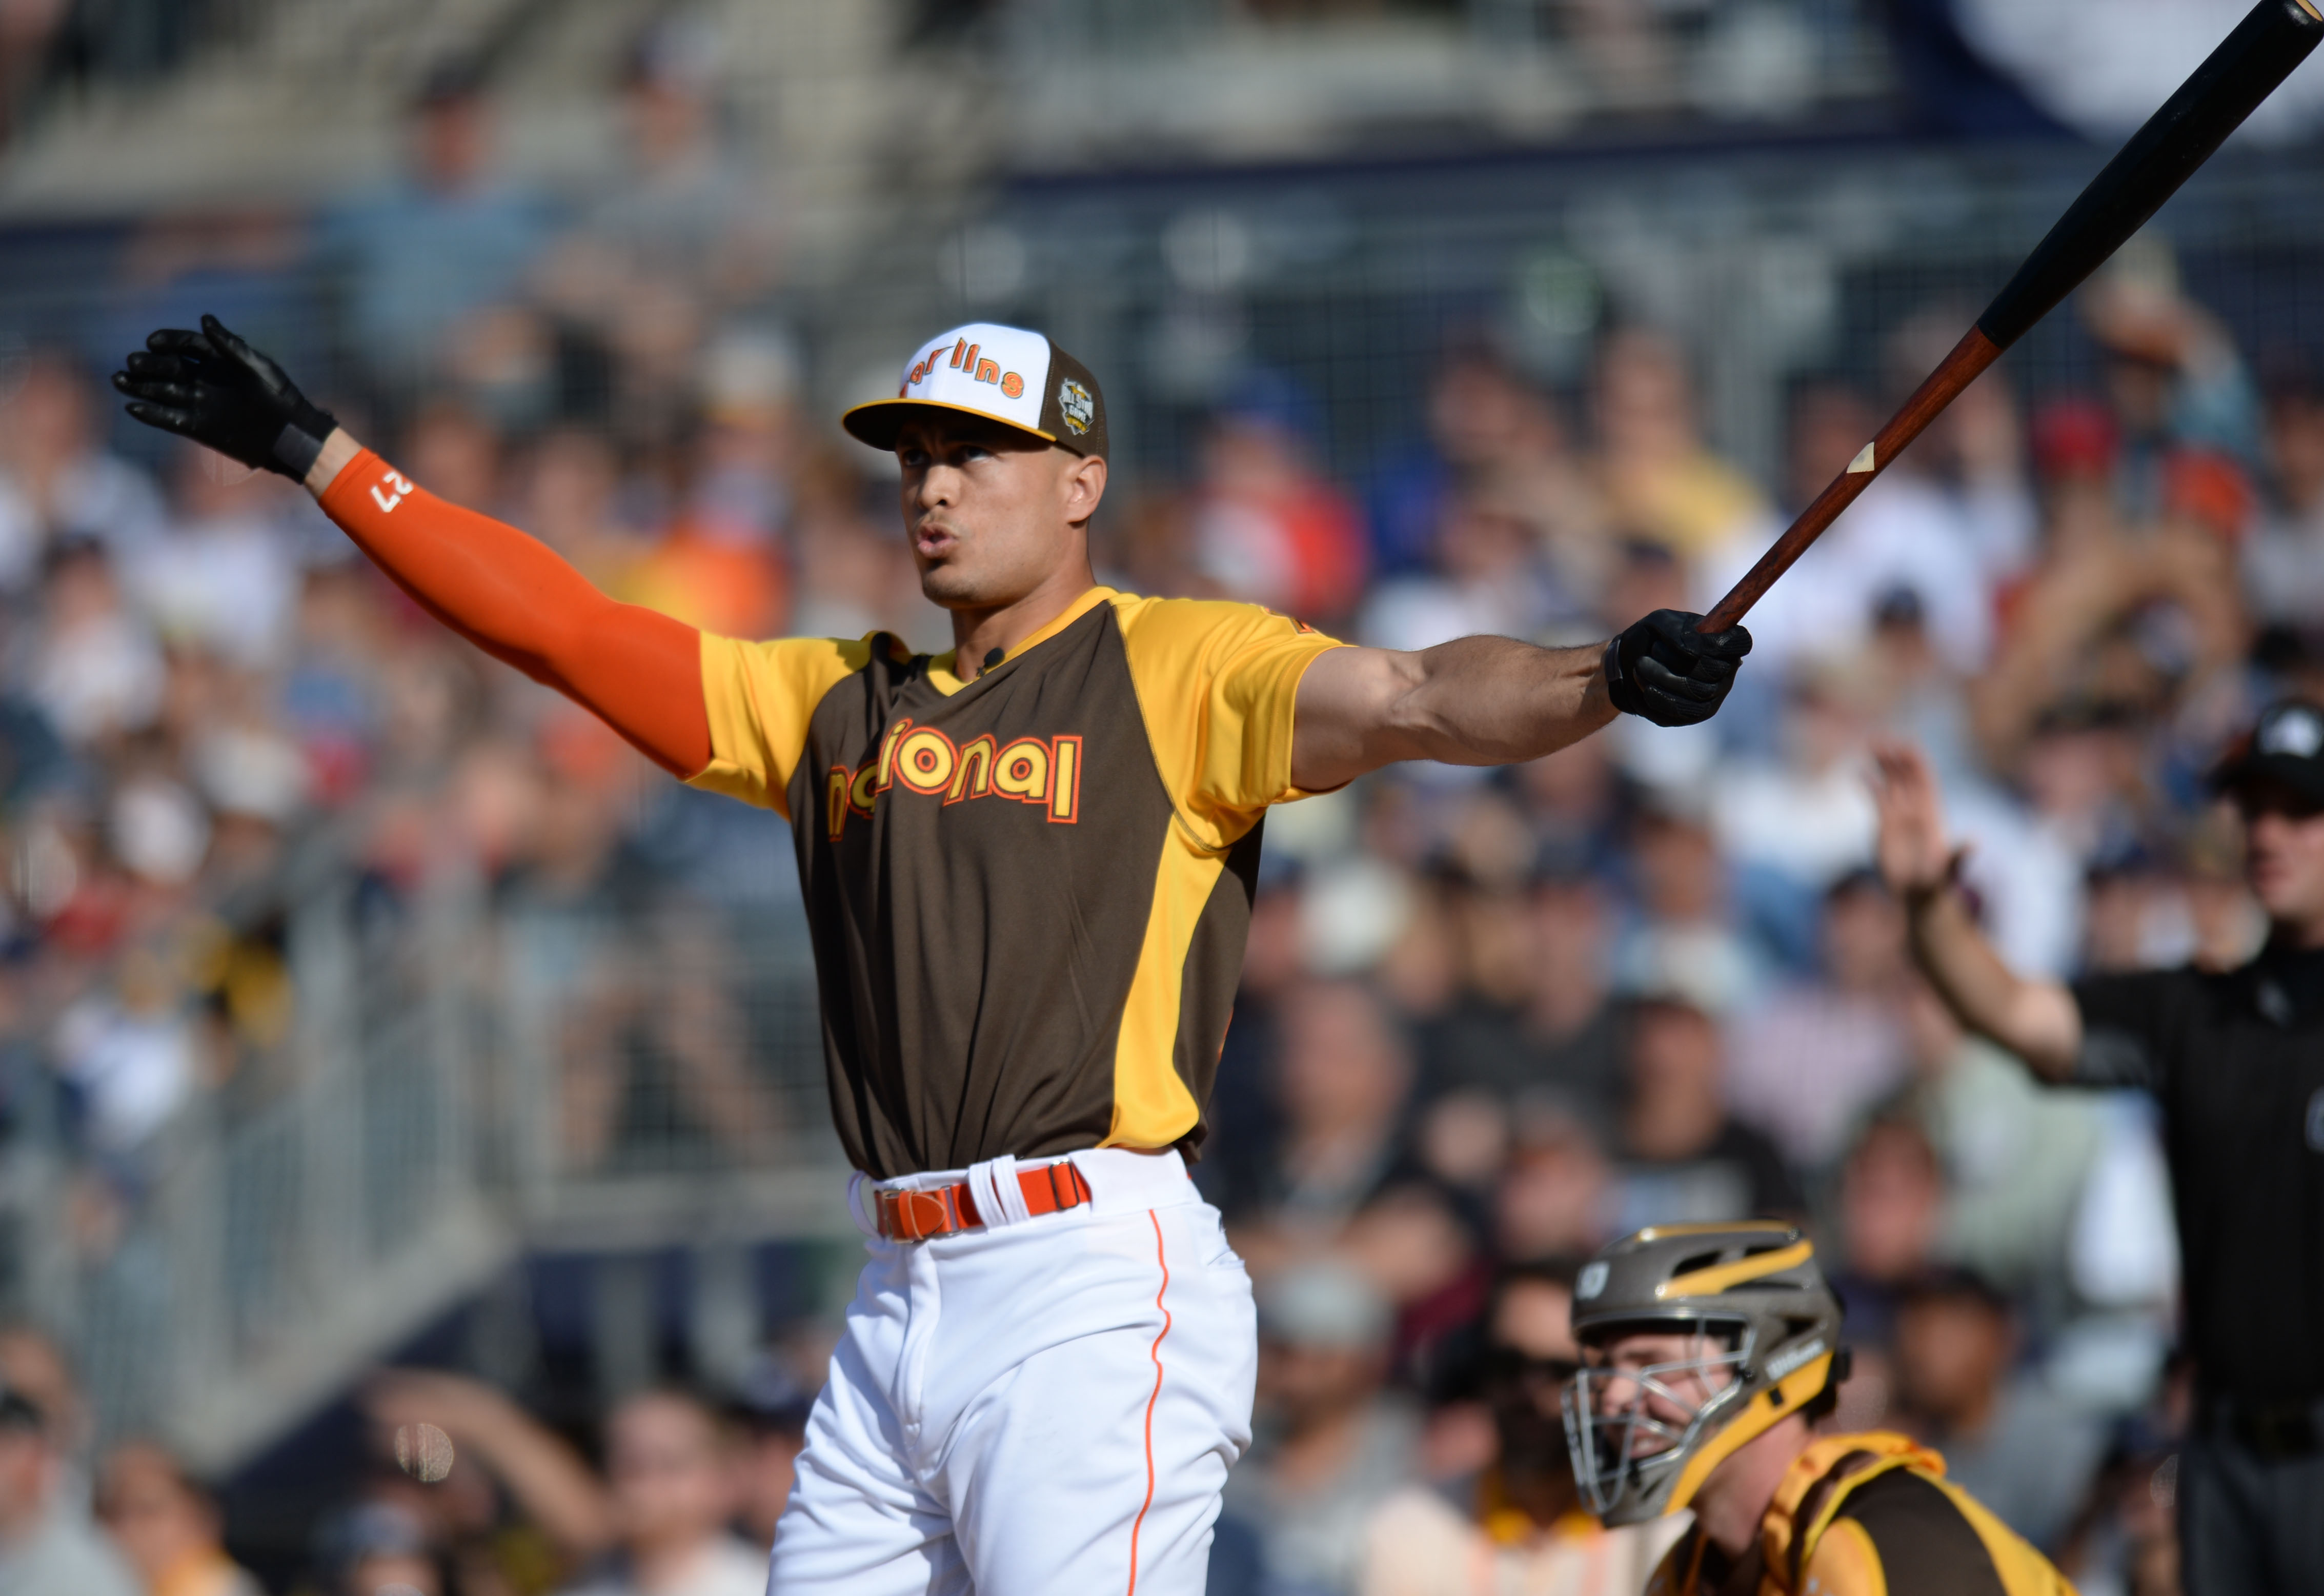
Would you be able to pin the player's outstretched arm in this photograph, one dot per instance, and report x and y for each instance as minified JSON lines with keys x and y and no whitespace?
{"x":1496,"y":701}
{"x":508,"y":594}
{"x":2038,"y":1020}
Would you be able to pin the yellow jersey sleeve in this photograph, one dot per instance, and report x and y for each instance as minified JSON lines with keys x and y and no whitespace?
{"x":760,"y":697}
{"x":1217,"y":683}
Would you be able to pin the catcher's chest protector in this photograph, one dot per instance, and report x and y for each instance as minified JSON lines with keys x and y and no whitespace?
{"x":1868,"y":1515}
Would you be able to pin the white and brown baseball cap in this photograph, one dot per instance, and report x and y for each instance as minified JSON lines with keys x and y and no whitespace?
{"x":1006,"y":373}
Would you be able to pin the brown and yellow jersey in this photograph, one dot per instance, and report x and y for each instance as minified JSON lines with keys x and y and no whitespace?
{"x":1865,"y":1515}
{"x":1027,"y":893}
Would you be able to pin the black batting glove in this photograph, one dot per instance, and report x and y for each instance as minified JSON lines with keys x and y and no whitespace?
{"x":212,"y":387}
{"x":1665,"y":670}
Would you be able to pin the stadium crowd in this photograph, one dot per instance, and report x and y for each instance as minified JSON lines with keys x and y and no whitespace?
{"x":1489,"y":1020}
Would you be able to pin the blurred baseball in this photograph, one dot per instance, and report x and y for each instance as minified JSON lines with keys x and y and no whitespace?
{"x":423,"y":1451}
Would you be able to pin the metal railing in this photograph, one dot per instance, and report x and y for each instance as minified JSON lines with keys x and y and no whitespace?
{"x":460,"y":1082}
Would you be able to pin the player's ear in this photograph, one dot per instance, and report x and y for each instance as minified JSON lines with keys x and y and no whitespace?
{"x":1084,"y":485}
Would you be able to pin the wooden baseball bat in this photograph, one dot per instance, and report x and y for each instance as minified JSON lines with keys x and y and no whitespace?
{"x":2274,"y":38}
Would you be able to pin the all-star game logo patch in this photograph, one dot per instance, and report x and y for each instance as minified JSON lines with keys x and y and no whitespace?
{"x":1074,"y":403}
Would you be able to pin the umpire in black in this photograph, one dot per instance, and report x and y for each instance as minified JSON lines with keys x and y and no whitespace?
{"x":2236,"y":1059}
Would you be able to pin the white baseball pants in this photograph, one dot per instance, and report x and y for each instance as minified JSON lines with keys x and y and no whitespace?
{"x":1046,"y":1406}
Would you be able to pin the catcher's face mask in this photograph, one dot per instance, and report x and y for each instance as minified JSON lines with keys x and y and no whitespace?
{"x":1642,"y":1405}
{"x":1696,"y":1339}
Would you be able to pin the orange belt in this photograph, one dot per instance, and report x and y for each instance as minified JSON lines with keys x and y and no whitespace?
{"x":939,"y":1211}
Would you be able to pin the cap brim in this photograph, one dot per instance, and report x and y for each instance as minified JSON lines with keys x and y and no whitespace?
{"x":2304,"y":776}
{"x":878,"y":422}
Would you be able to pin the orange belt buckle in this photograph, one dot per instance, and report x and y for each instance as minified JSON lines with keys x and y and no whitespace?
{"x":915,"y":1216}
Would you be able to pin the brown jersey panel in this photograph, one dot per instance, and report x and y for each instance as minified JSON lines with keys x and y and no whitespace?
{"x":979,"y":867}
{"x":1214,"y":970}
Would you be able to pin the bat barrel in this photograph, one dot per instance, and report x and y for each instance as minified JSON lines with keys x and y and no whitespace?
{"x":2274,"y":37}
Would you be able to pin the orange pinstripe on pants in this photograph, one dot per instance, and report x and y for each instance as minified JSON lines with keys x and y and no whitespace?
{"x":1161,"y":1257}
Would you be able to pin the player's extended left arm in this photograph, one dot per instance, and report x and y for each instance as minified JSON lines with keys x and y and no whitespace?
{"x":510,"y":594}
{"x":1497,"y":701}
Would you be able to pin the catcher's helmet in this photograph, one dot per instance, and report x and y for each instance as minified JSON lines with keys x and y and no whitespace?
{"x":1768,"y":1328}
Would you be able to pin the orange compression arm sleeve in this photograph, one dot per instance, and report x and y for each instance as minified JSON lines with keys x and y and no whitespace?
{"x":513,"y":597}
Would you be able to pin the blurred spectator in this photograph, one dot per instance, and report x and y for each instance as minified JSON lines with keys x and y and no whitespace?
{"x":548,"y":1481}
{"x":1487,"y":578}
{"x":1684,"y":932}
{"x":1497,"y":439}
{"x":1245,"y":1124}
{"x":93,"y":666}
{"x":1330,"y":1445}
{"x":380,"y":1548}
{"x":2283,"y":564}
{"x":1420,"y":1244}
{"x":672,"y":1495}
{"x":2113,"y":624}
{"x":2005,"y":1439}
{"x":129,"y":1054}
{"x":167,"y":1525}
{"x":1555,"y":1200}
{"x":1473,"y":1035}
{"x":770,"y":1410}
{"x":1685,"y":1159}
{"x":2016,"y":1159}
{"x":33,"y":1364}
{"x":2174,"y":381}
{"x":689,"y":212}
{"x":719,"y":565}
{"x":1519,"y":1525}
{"x":652,"y":1009}
{"x":1662,"y":483}
{"x":449,"y":239}
{"x":1268,"y":527}
{"x":48,"y":1544}
{"x":1891,"y":1204}
{"x":1815,"y":1055}
{"x":854,"y":574}
{"x":1344,"y":1076}
{"x":36,"y":1365}
{"x":27,"y":29}
{"x":650,"y":267}
{"x":1909,"y":689}
{"x":569,"y":498}
{"x":1794,"y":825}
{"x":1572,"y":1016}
{"x":58,"y":482}
{"x":2126,"y":1540}
{"x":222,"y":578}
{"x":457,"y":452}
{"x":1909,"y":532}
{"x":1572,"y":798}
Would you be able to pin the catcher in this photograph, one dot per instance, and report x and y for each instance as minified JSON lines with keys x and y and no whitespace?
{"x":1709,"y":1351}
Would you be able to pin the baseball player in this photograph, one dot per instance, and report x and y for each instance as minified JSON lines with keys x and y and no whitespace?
{"x":1709,"y":1351}
{"x":1027,"y":866}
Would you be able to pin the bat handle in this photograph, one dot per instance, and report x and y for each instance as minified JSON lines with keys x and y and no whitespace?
{"x":1956,"y":371}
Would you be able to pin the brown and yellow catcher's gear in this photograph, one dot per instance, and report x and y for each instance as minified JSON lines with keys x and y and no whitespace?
{"x":1866,"y":1515}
